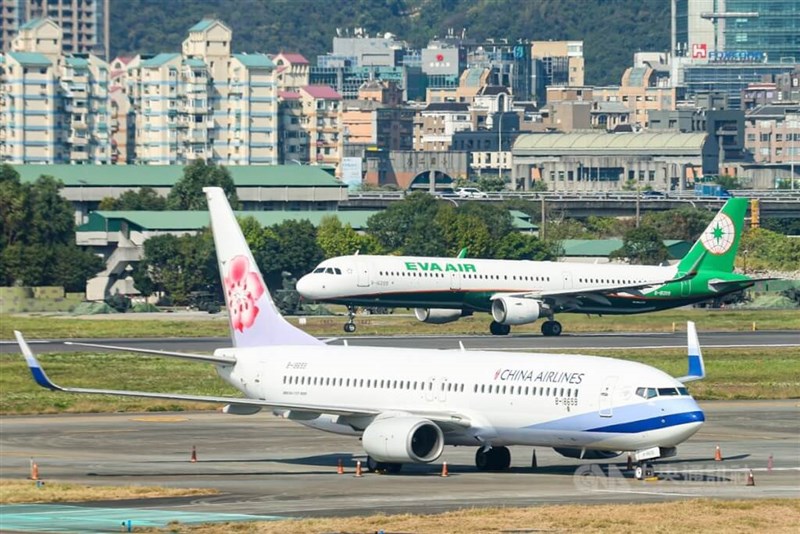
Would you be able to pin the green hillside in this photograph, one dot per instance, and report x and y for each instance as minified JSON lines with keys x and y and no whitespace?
{"x":612,"y":30}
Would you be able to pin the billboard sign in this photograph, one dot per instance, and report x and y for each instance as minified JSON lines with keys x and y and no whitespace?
{"x":351,"y":171}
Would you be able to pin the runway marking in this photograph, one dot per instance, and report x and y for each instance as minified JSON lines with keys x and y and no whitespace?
{"x":161,"y":419}
{"x":637,"y":347}
{"x":641,"y":492}
{"x":722,"y":469}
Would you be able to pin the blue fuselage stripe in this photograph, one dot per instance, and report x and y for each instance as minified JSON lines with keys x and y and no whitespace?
{"x":652,"y":423}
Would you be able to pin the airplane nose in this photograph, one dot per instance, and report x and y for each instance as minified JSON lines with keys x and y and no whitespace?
{"x":304,"y":287}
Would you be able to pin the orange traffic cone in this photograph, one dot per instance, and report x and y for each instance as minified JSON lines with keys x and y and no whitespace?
{"x":34,"y":471}
{"x":358,"y":469}
{"x":751,"y":481}
{"x":340,"y":468}
{"x":194,"y":455}
{"x":445,"y":473}
{"x":630,"y":462}
{"x":717,"y":454}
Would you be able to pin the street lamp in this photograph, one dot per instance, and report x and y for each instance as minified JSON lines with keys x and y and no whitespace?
{"x":500,"y":145}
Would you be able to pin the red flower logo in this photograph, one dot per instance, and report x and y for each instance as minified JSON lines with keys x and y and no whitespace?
{"x":243,"y":288}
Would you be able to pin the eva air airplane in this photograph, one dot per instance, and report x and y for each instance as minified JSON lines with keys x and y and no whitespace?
{"x":442,"y":290}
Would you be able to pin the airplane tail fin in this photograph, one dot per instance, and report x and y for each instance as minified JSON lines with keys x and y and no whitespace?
{"x":717,"y":246}
{"x":254,"y":319}
{"x":697,"y":368}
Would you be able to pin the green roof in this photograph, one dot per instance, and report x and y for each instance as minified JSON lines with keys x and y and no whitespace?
{"x":195,"y":62}
{"x":73,"y":61}
{"x":167,"y":175}
{"x":255,"y":61}
{"x":160,"y":59}
{"x":202,"y":25}
{"x":603,"y":248}
{"x":102,"y":221}
{"x":33,"y":59}
{"x":33,"y":23}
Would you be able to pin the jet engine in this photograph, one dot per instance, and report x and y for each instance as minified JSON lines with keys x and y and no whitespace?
{"x":437,"y":315}
{"x":403,"y":439}
{"x":513,"y":310}
{"x":584,"y":454}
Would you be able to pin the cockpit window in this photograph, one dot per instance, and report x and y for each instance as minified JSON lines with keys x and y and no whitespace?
{"x":646,"y":393}
{"x":683,"y":391}
{"x":337,"y":270}
{"x":319,"y":270}
{"x":667,"y":392}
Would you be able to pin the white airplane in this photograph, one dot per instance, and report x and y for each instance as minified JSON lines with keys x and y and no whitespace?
{"x":442,"y":290}
{"x":407,"y":404}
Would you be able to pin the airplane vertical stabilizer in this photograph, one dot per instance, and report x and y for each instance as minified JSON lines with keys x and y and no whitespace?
{"x":719,"y":242}
{"x":253,"y":317}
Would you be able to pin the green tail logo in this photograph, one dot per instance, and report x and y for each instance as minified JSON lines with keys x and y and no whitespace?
{"x":719,"y":242}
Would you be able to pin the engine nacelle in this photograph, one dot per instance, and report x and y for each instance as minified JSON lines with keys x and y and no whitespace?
{"x":513,"y":310}
{"x":403,"y":440}
{"x":584,"y":454}
{"x":437,"y":315}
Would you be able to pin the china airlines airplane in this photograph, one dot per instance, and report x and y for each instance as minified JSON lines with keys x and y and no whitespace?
{"x":407,"y":404}
{"x":442,"y":290}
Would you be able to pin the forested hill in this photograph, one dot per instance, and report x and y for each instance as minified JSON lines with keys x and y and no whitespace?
{"x":612,"y":30}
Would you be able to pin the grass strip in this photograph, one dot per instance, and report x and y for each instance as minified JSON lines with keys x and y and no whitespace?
{"x":120,"y":326}
{"x":733,"y":373}
{"x":27,"y":491}
{"x":696,"y":515}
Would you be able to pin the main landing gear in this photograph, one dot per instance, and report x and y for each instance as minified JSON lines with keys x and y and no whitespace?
{"x":389,"y":468}
{"x":551,"y":328}
{"x":350,"y":325}
{"x":499,"y":329}
{"x":494,"y":459}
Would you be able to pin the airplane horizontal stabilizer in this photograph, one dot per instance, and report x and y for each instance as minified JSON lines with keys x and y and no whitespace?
{"x":228,"y":360}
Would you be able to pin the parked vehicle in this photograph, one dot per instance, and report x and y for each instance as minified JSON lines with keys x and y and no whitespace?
{"x":711,"y":190}
{"x":470,"y":192}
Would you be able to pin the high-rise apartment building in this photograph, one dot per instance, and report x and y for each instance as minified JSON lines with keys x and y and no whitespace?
{"x":205,"y":102}
{"x":556,"y":63}
{"x":84,"y":23}
{"x":11,"y":18}
{"x":53,"y":106}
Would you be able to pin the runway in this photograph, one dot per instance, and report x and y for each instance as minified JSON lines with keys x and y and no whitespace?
{"x":523,"y":342}
{"x":266,"y":466}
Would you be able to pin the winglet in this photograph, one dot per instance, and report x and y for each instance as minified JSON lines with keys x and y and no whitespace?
{"x":33,"y":364}
{"x":697,"y":368}
{"x":462,"y":253}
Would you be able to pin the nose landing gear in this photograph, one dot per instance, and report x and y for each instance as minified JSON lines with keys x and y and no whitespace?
{"x":350,"y":325}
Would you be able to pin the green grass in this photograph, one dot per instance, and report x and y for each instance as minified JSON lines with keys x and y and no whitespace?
{"x":754,"y":373}
{"x":56,"y":327}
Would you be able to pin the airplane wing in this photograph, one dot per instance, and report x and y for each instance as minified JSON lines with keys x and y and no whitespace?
{"x":43,"y":380}
{"x":184,"y":355}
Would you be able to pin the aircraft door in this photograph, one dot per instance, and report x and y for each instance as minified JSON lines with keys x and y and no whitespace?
{"x":606,"y":405}
{"x":566,"y":276}
{"x":455,"y":281}
{"x":429,"y":389}
{"x":686,"y":288}
{"x":363,"y":274}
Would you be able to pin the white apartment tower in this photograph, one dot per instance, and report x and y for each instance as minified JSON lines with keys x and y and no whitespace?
{"x":205,"y":103}
{"x":53,"y":107}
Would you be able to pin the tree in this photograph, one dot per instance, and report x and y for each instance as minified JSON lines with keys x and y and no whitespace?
{"x":727,"y":182}
{"x":643,"y":246}
{"x":402,"y":226}
{"x":517,"y":246}
{"x":683,"y":223}
{"x":187,"y":193}
{"x":492,"y":184}
{"x":145,"y":198}
{"x":37,"y":235}
{"x":336,"y":239}
{"x":294,"y":249}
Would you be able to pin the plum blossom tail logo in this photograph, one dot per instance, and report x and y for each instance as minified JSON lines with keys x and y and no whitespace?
{"x":719,"y":236}
{"x":243,"y":288}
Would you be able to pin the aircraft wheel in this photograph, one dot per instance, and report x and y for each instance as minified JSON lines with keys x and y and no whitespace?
{"x":349,"y":327}
{"x":393,"y":468}
{"x":482,"y":459}
{"x":551,"y":328}
{"x":498,"y":329}
{"x":495,"y":459}
{"x":638,"y":473}
{"x":502,"y":458}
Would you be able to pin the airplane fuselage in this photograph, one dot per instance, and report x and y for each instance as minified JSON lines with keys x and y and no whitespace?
{"x":470,"y":284}
{"x":537,"y":399}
